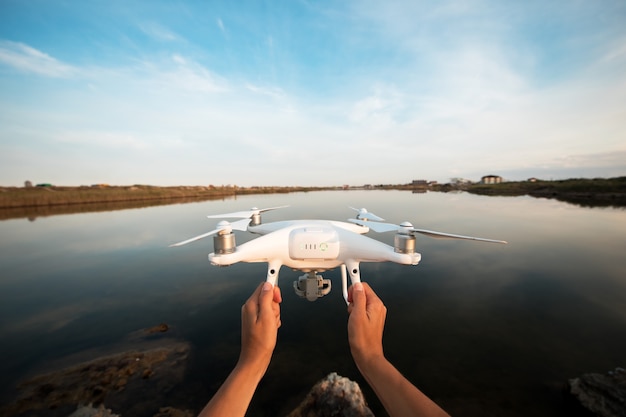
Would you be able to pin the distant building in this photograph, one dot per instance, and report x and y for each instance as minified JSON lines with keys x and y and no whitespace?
{"x":533,"y":179}
{"x":491,"y":179}
{"x":419,"y":184}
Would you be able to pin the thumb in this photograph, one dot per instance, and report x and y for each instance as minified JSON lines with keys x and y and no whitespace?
{"x":358,"y":296}
{"x":266,"y":296}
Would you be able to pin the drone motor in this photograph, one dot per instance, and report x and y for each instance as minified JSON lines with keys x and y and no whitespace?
{"x":255,"y":219}
{"x":224,"y":243}
{"x":404,"y":243}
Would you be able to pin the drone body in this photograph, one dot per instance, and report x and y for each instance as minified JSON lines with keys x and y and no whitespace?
{"x":313,"y":246}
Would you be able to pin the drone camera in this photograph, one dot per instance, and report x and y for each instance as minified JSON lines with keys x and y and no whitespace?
{"x":404,"y":243}
{"x":224,"y":243}
{"x":311,"y":286}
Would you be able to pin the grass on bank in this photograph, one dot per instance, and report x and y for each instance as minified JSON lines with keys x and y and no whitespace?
{"x":14,"y":197}
{"x":615,"y":185}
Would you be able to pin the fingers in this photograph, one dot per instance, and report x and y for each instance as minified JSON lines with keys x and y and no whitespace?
{"x":268,"y":295}
{"x":363,"y":298}
{"x":371,"y":296}
{"x":269,"y":299}
{"x":374,"y":305}
{"x":251,"y":306}
{"x":356,"y":297}
{"x":259,"y":324}
{"x":278,"y":298}
{"x":276,"y":304}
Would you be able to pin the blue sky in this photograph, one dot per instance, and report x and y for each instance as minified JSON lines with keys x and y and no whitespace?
{"x":310,"y":92}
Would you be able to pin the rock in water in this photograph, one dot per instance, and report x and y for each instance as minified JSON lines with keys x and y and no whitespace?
{"x":333,"y":396}
{"x":90,"y":411}
{"x":602,"y":394}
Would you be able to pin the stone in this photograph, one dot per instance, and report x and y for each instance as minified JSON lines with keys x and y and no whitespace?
{"x":602,"y":394}
{"x":333,"y":396}
{"x":103,"y":380}
{"x":90,"y":411}
{"x":174,"y":412}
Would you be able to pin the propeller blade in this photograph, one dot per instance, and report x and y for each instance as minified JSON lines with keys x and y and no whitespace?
{"x":375,"y":226}
{"x":441,"y":235}
{"x":388,"y":227}
{"x":244,"y":213}
{"x":366,"y":215}
{"x":240,"y":225}
{"x":222,"y":226}
{"x":193,"y":239}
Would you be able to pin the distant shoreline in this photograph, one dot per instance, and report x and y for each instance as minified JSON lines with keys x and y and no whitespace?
{"x":585,"y":192}
{"x":49,"y":195}
{"x":46,"y":199}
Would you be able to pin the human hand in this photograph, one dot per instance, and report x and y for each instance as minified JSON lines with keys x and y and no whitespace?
{"x":365,"y":334}
{"x":260,"y":320}
{"x":366,"y":323}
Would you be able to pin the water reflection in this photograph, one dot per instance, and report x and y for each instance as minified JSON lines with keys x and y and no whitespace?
{"x":484,"y":329}
{"x":33,"y":212}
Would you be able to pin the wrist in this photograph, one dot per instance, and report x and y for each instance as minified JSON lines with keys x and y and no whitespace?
{"x":366,"y":361}
{"x":254,"y":365}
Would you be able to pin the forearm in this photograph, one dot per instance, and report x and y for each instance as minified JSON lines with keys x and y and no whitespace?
{"x":235,"y":394}
{"x":399,"y":397}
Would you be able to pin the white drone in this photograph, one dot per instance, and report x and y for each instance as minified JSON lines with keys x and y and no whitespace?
{"x":313,"y":246}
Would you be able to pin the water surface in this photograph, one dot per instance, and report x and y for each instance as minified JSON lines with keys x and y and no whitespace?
{"x":484,"y":329}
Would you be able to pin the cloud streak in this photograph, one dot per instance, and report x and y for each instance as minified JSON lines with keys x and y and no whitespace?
{"x":28,"y":59}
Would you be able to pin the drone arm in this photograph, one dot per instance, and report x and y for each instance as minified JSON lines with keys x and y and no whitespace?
{"x":261,"y":249}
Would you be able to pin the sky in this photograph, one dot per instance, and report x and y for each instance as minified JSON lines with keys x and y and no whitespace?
{"x":311,"y":93}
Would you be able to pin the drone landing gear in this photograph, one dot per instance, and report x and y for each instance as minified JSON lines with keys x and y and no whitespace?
{"x":311,"y":286}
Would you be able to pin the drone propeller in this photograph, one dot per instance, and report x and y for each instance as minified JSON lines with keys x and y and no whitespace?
{"x":223,"y":227}
{"x":244,"y":214}
{"x":366,"y":215}
{"x":408,"y":228}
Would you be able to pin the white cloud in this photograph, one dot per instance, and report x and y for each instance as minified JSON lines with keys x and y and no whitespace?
{"x":159,"y":32}
{"x":220,"y":25}
{"x":376,"y":113}
{"x":171,"y":77}
{"x":26,"y":58}
{"x":179,"y":59}
{"x":103,"y":139}
{"x":616,"y":52}
{"x":273,"y":92}
{"x":191,"y":76}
